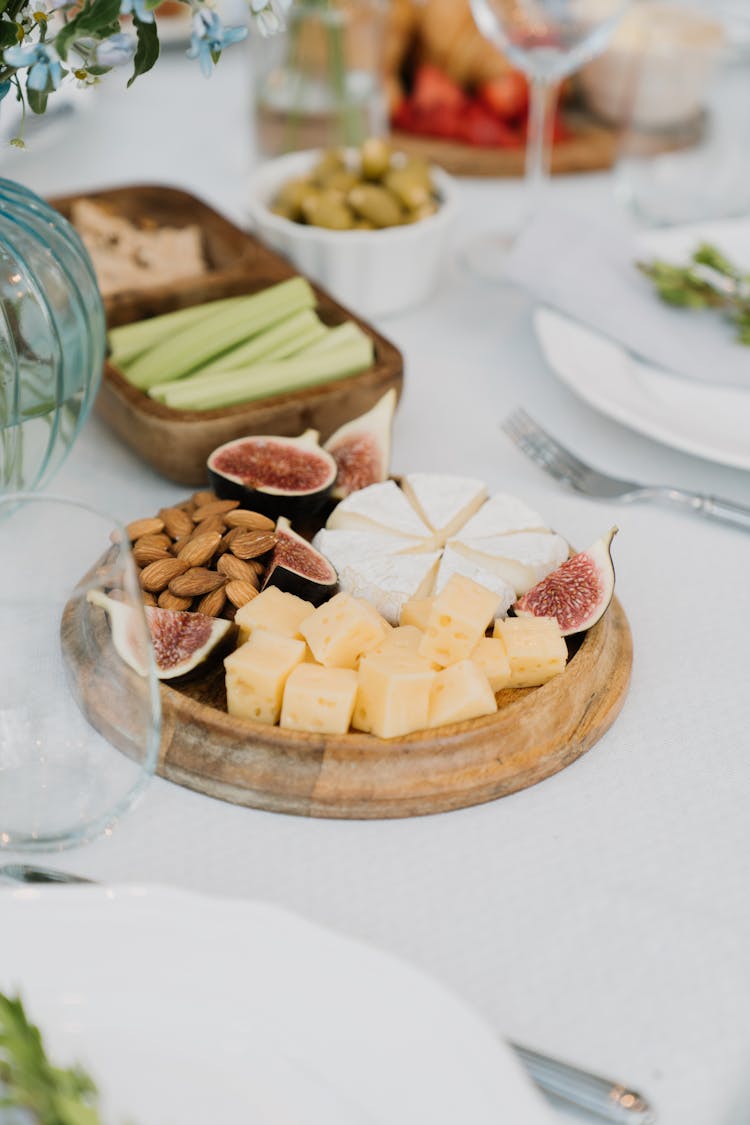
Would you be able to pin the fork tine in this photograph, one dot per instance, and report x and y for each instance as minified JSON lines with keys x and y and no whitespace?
{"x":543,"y":448}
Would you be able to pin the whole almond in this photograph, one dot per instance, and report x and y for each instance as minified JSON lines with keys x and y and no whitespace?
{"x":157,"y":540}
{"x":214,"y":508}
{"x":229,"y":538}
{"x":148,"y":599}
{"x":196,"y":582}
{"x":238,"y":569}
{"x":200,"y":498}
{"x":252,"y":543}
{"x":200,"y":549}
{"x":240,"y":593}
{"x":168,"y":600}
{"x":157,"y":575}
{"x":144,"y":555}
{"x":176,"y":522}
{"x":212,"y":604}
{"x":259,"y":567}
{"x":151,"y":526}
{"x":210,"y":523}
{"x":253,"y":521}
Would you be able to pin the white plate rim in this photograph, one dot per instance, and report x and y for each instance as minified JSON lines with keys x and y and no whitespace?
{"x":490,"y":1058}
{"x":632,"y":407}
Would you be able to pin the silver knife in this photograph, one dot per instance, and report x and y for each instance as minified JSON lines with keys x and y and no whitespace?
{"x":605,"y":1099}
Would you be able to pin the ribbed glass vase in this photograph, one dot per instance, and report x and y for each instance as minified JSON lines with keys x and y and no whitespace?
{"x":52,"y":338}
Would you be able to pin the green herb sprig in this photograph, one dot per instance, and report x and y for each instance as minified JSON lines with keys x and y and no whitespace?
{"x":29,"y":1081}
{"x":710,"y":281}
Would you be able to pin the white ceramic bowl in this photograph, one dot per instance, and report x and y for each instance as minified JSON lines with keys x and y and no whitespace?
{"x":656,"y":71}
{"x":373,"y":272}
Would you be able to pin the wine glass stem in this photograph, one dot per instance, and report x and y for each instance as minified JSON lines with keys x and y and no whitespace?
{"x":539,"y":141}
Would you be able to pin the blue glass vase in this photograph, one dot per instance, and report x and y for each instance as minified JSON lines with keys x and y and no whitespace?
{"x":52,"y":338}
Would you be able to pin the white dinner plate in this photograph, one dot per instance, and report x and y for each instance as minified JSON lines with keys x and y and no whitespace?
{"x":705,"y":419}
{"x":190,"y":1010}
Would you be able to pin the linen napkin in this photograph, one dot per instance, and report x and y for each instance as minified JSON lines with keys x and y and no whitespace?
{"x":586,"y":270}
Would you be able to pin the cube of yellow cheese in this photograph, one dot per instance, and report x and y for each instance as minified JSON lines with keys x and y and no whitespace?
{"x":275,"y":611}
{"x":404,"y":638}
{"x":458,"y":618}
{"x":393,"y":694}
{"x":416,"y":612}
{"x":491,"y":657}
{"x":461,"y":692}
{"x":341,"y":630}
{"x":319,"y":699}
{"x":256,"y":673}
{"x":536,"y":651}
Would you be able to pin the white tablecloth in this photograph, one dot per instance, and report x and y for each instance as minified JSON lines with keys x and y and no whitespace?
{"x":603,"y":915}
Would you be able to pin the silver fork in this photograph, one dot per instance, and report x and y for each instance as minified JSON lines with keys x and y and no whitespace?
{"x":547,"y":452}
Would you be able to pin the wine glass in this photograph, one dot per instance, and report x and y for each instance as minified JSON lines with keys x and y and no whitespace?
{"x":547,"y":40}
{"x":80,"y":715}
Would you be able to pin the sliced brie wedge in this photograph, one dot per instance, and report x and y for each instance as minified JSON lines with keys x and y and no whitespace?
{"x":382,"y":508}
{"x":522,"y":559}
{"x":502,"y":515}
{"x":389,"y":581}
{"x":445,"y":503}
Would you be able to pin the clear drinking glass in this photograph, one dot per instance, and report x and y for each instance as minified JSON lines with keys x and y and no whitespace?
{"x":547,"y":40}
{"x":79,"y":723}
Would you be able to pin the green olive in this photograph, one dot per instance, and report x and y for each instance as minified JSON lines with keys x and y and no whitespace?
{"x":419,"y":170}
{"x":331,"y":161}
{"x":375,"y":158}
{"x":377,"y":204}
{"x":342,"y":180}
{"x":408,"y":186}
{"x":290,"y":196}
{"x":422,"y":212}
{"x":330,"y":211}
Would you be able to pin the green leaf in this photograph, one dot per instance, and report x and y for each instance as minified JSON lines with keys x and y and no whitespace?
{"x":95,"y":17}
{"x":147,"y":51}
{"x":37,"y":100}
{"x":8,"y":35}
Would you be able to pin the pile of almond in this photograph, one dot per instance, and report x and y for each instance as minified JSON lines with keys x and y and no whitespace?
{"x":205,"y":555}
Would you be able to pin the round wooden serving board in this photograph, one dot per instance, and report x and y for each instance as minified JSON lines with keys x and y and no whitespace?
{"x":535,"y":733}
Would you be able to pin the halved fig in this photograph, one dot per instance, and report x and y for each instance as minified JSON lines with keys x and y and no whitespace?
{"x":297,"y":568}
{"x":181,"y":641}
{"x":576,"y":594}
{"x":277,"y":476}
{"x":362,"y":447}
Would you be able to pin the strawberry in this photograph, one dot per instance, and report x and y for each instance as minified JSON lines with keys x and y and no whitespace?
{"x":507,"y":96}
{"x":433,"y":88}
{"x":480,"y":127}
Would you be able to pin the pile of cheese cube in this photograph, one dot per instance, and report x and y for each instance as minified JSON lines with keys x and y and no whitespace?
{"x":343,"y":666}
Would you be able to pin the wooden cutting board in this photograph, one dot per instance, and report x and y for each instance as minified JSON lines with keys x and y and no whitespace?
{"x":535,"y":733}
{"x":591,"y":147}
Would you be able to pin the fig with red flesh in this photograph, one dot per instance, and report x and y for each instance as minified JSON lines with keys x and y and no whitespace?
{"x":297,"y":568}
{"x":362,"y":447}
{"x":182,"y":642}
{"x":277,"y":476}
{"x":578,"y":593}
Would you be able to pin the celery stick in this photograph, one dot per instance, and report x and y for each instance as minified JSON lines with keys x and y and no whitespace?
{"x":226,"y":328}
{"x":265,"y":379}
{"x":206,"y":376}
{"x":341,"y":334}
{"x":299,"y":344}
{"x":265,"y":343}
{"x":131,"y":340}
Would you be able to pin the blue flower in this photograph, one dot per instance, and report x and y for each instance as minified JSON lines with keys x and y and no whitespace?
{"x":4,"y":88}
{"x":45,"y":71}
{"x":210,"y":37}
{"x":137,"y":9}
{"x":116,"y":50}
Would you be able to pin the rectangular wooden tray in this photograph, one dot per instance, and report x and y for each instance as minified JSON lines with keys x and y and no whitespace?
{"x":177,"y":442}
